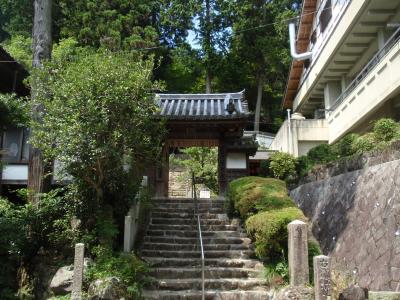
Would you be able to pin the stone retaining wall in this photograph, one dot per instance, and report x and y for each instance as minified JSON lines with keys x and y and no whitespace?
{"x":356,"y":218}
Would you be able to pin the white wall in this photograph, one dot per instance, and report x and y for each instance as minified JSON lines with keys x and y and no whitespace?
{"x":304,"y":134}
{"x":236,"y":160}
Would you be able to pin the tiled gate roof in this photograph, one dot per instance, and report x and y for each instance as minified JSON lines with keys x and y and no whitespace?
{"x":202,"y":106}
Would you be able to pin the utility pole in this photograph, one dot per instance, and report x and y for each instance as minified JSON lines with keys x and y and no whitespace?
{"x":38,"y":182}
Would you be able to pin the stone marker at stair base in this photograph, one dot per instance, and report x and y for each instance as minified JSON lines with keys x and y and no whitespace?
{"x":322,"y":277}
{"x":78,"y":272}
{"x":298,"y":253}
{"x":128,"y":234}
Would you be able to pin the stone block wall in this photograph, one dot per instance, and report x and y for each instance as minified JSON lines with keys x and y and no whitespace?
{"x":356,"y":218}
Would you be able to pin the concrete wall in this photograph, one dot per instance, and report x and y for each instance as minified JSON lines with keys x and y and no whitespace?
{"x":306,"y":134}
{"x":356,"y":218}
{"x":376,"y":89}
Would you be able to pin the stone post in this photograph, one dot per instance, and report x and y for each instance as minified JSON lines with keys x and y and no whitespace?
{"x":78,"y":272}
{"x":298,"y":253}
{"x":128,"y":234}
{"x":322,"y":277}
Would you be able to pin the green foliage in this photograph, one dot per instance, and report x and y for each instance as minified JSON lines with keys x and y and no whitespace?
{"x":322,"y":153}
{"x":26,"y":229}
{"x":203,"y":161}
{"x":249,"y":195}
{"x":344,"y":146}
{"x":364,"y":143}
{"x":99,"y":113}
{"x":126,"y":266}
{"x":277,"y":274}
{"x":14,"y":23}
{"x":20,"y":48}
{"x":282,"y":165}
{"x":269,"y":229}
{"x":386,"y":130}
{"x":14,"y":111}
{"x":264,"y":168}
{"x":304,"y":164}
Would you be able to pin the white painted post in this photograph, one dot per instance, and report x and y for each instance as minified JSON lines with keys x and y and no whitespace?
{"x":298,"y":253}
{"x":78,"y":272}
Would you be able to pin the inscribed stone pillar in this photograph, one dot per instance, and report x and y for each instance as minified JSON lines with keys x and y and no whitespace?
{"x":78,"y":272}
{"x":298,"y":253}
{"x":128,"y":234}
{"x":322,"y":277}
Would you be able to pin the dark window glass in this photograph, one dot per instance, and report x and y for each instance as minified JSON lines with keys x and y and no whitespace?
{"x":325,"y":15}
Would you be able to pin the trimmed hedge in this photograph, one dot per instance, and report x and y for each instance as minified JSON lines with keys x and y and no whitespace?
{"x":249,"y":195}
{"x":269,"y":229}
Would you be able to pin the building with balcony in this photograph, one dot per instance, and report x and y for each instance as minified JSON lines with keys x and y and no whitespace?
{"x":351,"y":76}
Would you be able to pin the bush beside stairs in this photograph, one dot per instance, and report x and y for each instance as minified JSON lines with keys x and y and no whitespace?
{"x":171,"y":247}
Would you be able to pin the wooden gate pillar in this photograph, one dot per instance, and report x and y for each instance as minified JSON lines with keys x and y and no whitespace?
{"x":162,"y":176}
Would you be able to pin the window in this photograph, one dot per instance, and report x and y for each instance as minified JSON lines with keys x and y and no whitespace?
{"x":325,"y":16}
{"x":15,"y":145}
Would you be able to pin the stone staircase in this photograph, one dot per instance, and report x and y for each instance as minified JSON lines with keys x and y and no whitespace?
{"x":171,"y":247}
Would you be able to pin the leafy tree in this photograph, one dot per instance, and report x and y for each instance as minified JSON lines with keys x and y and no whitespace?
{"x":16,"y":18}
{"x":260,"y":41}
{"x":99,"y":126}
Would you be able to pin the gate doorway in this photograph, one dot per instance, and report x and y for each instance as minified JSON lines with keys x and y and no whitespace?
{"x":205,"y":120}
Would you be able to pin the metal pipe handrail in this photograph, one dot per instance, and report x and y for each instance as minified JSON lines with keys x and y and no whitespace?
{"x":196,"y":212}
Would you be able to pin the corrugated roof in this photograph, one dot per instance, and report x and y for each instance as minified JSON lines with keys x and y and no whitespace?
{"x":202,"y":106}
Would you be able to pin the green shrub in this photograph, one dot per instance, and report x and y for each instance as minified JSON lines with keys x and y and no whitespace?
{"x":364,"y":143}
{"x":126,"y":266}
{"x":282,"y":165}
{"x":264,"y":168}
{"x":303,"y":165}
{"x":344,"y":147}
{"x":25,"y":230}
{"x":322,"y":154}
{"x":269,"y":229}
{"x":249,"y":195}
{"x":386,"y":130}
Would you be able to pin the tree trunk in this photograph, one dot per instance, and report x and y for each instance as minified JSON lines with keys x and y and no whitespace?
{"x":260,"y":84}
{"x":41,"y":44}
{"x":208,"y":46}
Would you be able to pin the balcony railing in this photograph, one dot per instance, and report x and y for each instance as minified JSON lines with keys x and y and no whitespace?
{"x":391,"y":42}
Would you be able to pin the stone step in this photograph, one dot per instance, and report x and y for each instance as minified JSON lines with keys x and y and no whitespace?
{"x":194,"y":283}
{"x":258,"y":294}
{"x":194,"y":247}
{"x":161,"y":262}
{"x":195,"y":234}
{"x":185,"y":240}
{"x":188,"y":221}
{"x":193,"y":227}
{"x":188,"y":210}
{"x":209,"y":273}
{"x":189,"y":206}
{"x":174,"y":215}
{"x":196,"y":254}
{"x":183,"y":199}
